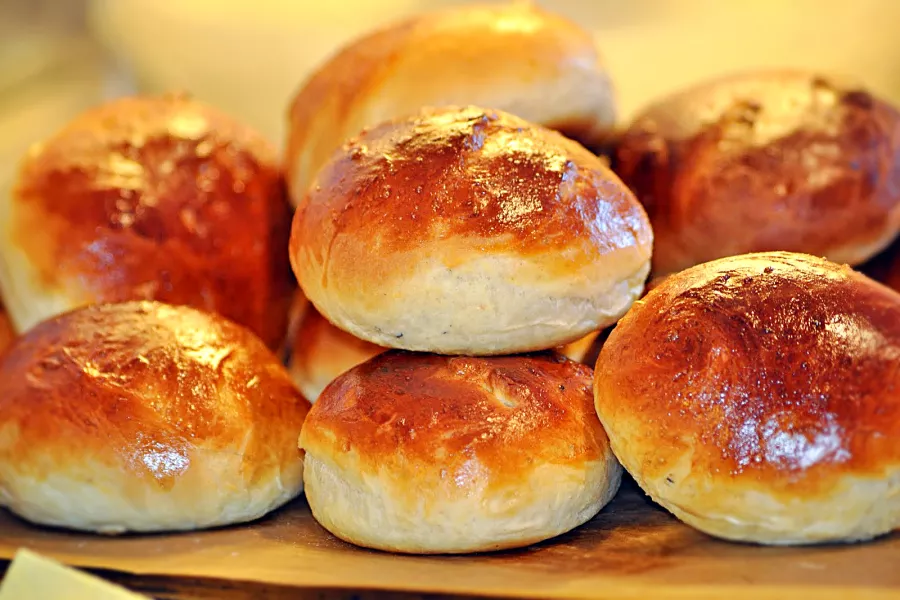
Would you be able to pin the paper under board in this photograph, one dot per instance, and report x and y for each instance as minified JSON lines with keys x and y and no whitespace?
{"x":632,"y":549}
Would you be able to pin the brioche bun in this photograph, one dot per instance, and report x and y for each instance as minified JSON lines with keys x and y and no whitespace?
{"x":768,"y":160}
{"x":421,"y":453}
{"x":146,"y":417}
{"x":469,"y":231}
{"x":156,"y":198}
{"x":757,"y":398}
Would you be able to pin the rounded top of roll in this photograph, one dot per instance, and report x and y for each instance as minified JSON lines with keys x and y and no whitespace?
{"x":512,"y":413}
{"x":769,"y":365}
{"x":150,"y":388}
{"x":470,"y":176}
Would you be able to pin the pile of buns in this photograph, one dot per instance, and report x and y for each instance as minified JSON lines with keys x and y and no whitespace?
{"x":462,"y":257}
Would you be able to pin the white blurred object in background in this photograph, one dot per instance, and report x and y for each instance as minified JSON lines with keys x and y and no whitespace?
{"x":50,"y":71}
{"x":249,"y":57}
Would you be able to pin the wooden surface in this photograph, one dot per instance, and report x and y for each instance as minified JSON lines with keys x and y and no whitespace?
{"x":631,"y":550}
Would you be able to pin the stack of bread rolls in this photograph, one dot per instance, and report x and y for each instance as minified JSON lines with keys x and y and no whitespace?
{"x":143,"y":262}
{"x":461,"y":256}
{"x":464,"y":235}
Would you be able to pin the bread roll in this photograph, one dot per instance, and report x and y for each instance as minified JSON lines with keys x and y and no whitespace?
{"x":146,"y":417}
{"x":469,"y":231}
{"x":321,"y":352}
{"x":757,"y":397}
{"x":422,"y":453}
{"x":157,"y":198}
{"x":769,"y":160}
{"x":513,"y":57}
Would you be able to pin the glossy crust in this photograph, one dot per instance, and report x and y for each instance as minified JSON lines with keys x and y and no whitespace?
{"x":146,"y":417}
{"x":157,"y":198}
{"x":320,"y":352}
{"x":469,"y":231}
{"x":765,"y":161}
{"x":422,"y":453}
{"x":513,"y":57}
{"x":758,"y":398}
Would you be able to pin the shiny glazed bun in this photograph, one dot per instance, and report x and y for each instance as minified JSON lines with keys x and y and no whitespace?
{"x":765,"y":161}
{"x":320,"y":352}
{"x":469,"y":231}
{"x":514,"y":57}
{"x":157,"y":198}
{"x":146,"y":417}
{"x":422,"y":453}
{"x":758,"y":398}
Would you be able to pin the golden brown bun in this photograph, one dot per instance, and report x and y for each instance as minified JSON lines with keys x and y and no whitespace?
{"x":469,"y":231}
{"x":157,"y":198}
{"x":758,"y":398}
{"x":764,"y":161}
{"x":321,"y":352}
{"x":7,"y":334}
{"x":146,"y":417}
{"x":513,"y":57}
{"x":422,"y":453}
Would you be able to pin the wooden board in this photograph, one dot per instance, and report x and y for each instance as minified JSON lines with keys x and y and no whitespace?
{"x":633,"y":549}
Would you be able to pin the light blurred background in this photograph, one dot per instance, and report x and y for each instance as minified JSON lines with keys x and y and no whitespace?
{"x":249,"y":56}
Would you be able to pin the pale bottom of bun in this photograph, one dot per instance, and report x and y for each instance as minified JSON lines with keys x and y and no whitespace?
{"x":373,"y":511}
{"x":480,"y":309}
{"x":111,"y":500}
{"x":857,"y":509}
